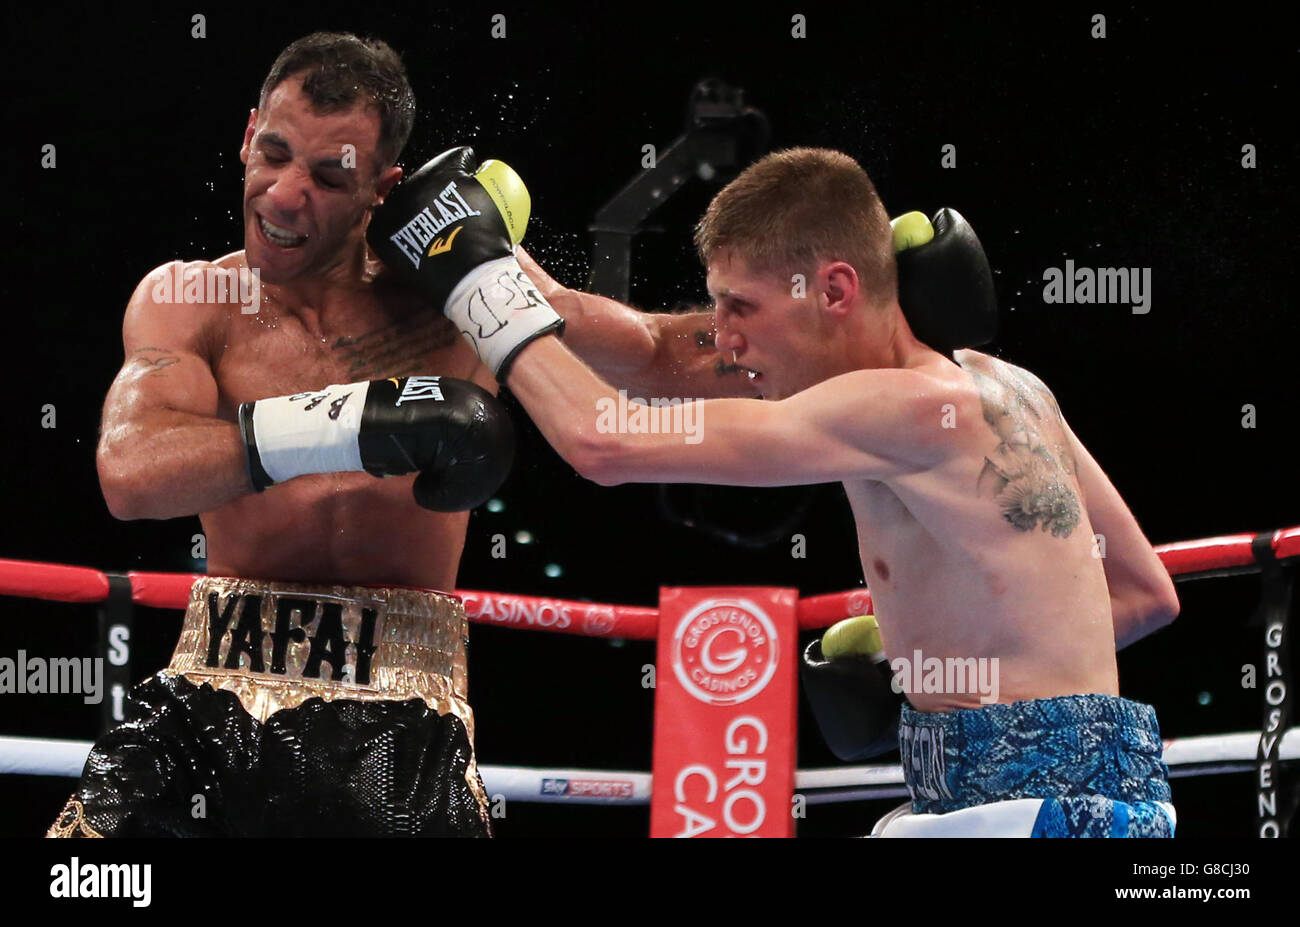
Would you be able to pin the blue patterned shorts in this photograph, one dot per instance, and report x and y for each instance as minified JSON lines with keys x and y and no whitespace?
{"x":1093,"y":759}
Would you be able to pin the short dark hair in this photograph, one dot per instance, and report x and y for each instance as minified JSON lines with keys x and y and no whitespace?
{"x":339,"y":69}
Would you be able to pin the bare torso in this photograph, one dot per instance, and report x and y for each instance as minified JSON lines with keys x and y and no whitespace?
{"x":992,"y":554}
{"x":341,"y":527}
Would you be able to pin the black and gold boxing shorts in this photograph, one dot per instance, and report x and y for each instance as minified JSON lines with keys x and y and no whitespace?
{"x":294,"y":710}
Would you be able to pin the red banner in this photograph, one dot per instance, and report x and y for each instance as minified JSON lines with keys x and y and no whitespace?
{"x":725,"y":690}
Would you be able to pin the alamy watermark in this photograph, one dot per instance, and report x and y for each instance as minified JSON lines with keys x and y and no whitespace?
{"x":24,"y":675}
{"x":945,"y":676}
{"x":75,"y":879}
{"x":201,"y":285}
{"x":658,"y":416}
{"x":1106,"y":285}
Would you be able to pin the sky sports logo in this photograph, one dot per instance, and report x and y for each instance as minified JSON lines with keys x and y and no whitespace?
{"x":588,"y":788}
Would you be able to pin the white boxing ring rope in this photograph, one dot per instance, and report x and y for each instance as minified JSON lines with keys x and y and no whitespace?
{"x":1186,"y":756}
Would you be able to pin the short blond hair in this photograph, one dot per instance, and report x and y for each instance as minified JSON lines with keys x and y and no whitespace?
{"x":794,"y":208}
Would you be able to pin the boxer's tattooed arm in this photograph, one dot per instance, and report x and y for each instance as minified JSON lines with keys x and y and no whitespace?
{"x":152,"y":361}
{"x":397,"y":350}
{"x":1027,"y":475}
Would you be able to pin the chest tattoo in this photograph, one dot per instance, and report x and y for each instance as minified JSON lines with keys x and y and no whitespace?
{"x":402,"y":348}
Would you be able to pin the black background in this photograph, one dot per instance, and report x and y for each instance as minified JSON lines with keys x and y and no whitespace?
{"x":1123,"y":152}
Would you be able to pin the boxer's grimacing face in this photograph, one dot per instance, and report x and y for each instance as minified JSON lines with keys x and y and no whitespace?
{"x":781,"y":340}
{"x":309,"y":182}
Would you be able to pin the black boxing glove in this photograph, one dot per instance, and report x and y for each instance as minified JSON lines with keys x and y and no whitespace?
{"x":453,"y":433}
{"x":450,"y":232}
{"x":852,"y":696}
{"x":945,"y":284}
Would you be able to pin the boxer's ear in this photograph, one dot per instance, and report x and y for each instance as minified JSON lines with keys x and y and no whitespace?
{"x":249,"y":131}
{"x":840,"y":285}
{"x":387,"y":180}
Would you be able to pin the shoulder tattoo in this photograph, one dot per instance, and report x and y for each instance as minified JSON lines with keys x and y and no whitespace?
{"x":1027,"y":475}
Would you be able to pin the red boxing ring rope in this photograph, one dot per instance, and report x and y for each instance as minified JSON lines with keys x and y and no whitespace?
{"x":60,"y":583}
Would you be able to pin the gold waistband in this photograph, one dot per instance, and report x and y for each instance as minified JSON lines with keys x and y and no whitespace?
{"x":275,"y":645}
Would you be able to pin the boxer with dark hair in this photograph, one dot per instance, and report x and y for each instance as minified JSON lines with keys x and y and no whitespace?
{"x":316,"y":690}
